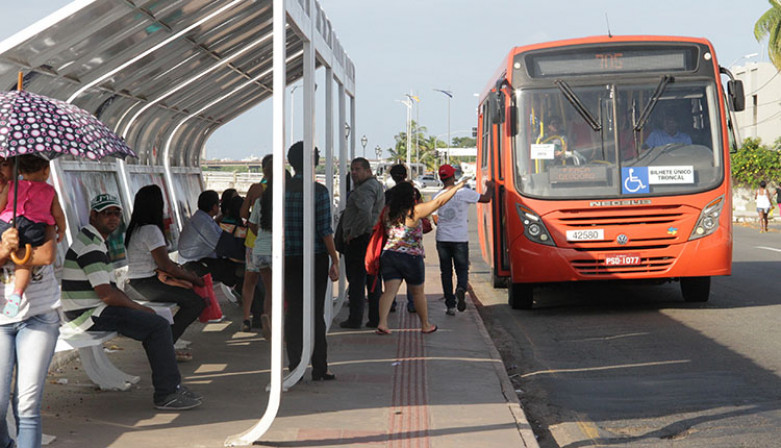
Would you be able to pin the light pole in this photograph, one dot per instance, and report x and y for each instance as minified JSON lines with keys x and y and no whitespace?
{"x":449,"y":97}
{"x":364,"y":141}
{"x":417,"y":123}
{"x":292,"y":105}
{"x":408,"y":103}
{"x":378,"y":151}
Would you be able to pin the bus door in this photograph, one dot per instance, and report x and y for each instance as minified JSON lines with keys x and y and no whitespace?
{"x":484,"y":173}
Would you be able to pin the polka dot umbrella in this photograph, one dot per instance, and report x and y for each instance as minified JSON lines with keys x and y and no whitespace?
{"x":49,"y":128}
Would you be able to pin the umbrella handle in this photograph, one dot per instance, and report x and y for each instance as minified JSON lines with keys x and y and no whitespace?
{"x":26,"y":258}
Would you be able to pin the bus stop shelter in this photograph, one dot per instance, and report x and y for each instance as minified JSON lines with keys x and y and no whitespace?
{"x":165,"y":75}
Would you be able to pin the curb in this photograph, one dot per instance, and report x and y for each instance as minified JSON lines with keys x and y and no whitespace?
{"x":508,"y":390}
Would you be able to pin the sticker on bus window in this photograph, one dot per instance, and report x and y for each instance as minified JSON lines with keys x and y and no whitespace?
{"x":634,"y":180}
{"x":586,"y":235}
{"x":670,"y":175}
{"x":543,"y":151}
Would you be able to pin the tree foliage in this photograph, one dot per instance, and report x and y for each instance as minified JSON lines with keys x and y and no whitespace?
{"x":769,"y":25}
{"x":755,"y":162}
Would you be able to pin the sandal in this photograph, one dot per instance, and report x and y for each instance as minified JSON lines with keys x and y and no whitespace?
{"x":382,"y":331}
{"x":430,"y":330}
{"x":183,"y":356}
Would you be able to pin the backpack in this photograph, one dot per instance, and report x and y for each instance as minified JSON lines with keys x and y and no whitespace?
{"x":374,"y":249}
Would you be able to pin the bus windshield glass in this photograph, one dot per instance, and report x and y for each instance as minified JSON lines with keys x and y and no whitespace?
{"x":560,"y":154}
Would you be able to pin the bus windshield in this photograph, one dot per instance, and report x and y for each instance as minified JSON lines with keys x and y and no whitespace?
{"x":560,"y":152}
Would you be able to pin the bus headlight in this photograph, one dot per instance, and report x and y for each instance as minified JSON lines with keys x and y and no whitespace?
{"x":533,"y":227}
{"x":709,"y":219}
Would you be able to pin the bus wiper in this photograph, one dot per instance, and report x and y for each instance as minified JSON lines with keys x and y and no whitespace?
{"x":649,"y":107}
{"x":578,"y":104}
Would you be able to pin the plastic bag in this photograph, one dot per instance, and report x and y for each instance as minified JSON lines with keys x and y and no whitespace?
{"x":212,"y":310}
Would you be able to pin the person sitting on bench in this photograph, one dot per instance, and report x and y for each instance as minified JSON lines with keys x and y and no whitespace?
{"x":92,"y":301}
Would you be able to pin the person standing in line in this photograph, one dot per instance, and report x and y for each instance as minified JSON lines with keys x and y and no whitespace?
{"x":398,"y":173}
{"x":402,"y":254}
{"x":27,"y":340}
{"x":250,"y":286}
{"x":92,"y":301}
{"x":453,"y":237}
{"x":364,"y":204}
{"x":294,"y":265}
{"x":764,"y":204}
{"x":778,"y":200}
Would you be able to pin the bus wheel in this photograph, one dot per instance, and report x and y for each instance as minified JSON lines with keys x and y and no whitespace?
{"x":695,"y":289}
{"x":520,"y":296}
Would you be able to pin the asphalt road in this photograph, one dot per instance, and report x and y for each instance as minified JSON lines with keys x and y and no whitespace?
{"x":637,"y":366}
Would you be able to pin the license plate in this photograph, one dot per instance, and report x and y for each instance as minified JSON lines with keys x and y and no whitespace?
{"x":585,"y":235}
{"x":622,"y":260}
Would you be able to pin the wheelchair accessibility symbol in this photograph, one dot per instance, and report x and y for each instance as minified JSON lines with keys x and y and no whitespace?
{"x":634,"y":180}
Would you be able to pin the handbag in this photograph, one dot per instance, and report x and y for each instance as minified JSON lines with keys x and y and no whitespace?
{"x":213,"y":311}
{"x":374,"y":248}
{"x":170,"y":280}
{"x":426,"y":223}
{"x":230,"y":245}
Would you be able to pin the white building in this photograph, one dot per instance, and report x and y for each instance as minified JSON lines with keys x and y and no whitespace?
{"x":762,"y":116}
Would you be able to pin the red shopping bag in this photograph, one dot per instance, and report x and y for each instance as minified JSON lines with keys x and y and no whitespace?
{"x":212,"y":310}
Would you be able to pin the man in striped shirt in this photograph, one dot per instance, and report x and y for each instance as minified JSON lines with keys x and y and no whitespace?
{"x":92,"y":301}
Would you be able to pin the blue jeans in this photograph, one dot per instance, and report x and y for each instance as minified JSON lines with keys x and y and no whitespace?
{"x":453,"y":254}
{"x":28,"y":345}
{"x":154,"y":332}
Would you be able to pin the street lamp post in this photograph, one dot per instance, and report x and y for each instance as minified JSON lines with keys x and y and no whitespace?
{"x":364,"y":141}
{"x":408,"y":103}
{"x":378,"y":152}
{"x":449,"y":97}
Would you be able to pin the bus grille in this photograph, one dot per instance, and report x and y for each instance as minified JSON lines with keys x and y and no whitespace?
{"x":647,"y":265}
{"x":621,"y":217}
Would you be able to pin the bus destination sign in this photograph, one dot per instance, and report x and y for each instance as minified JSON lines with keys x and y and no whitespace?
{"x":595,"y":61}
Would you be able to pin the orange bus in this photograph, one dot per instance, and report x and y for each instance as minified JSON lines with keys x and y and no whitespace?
{"x":611,"y":162}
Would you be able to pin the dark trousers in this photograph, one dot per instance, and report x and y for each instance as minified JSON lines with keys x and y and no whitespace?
{"x":452,"y":254}
{"x":222,"y":270}
{"x":294,"y":316}
{"x":155,"y":335}
{"x":360,"y":282}
{"x":190,"y":304}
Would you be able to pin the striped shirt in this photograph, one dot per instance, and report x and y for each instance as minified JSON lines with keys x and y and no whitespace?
{"x":294,"y":217}
{"x":86,"y":266}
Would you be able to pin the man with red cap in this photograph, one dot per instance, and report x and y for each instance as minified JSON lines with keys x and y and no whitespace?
{"x":453,"y":237}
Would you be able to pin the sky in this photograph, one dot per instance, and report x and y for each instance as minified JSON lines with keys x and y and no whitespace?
{"x":417,"y":46}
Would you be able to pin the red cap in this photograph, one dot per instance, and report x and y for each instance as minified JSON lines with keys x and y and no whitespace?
{"x":446,"y":172}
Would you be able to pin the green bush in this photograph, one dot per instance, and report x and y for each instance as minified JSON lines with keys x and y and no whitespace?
{"x":755,"y":162}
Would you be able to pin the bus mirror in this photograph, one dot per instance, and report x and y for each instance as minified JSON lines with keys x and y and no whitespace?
{"x":497,"y":107}
{"x":736,"y":94}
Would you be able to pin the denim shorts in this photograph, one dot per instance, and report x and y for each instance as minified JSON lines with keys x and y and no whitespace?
{"x":249,"y":261}
{"x":398,"y":265}
{"x":261,"y":261}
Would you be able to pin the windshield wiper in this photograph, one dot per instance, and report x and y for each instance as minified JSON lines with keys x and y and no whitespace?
{"x":578,"y":104}
{"x":649,"y":107}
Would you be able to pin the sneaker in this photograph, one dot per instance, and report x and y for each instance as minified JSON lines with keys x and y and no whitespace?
{"x":451,"y":311}
{"x":246,"y":326}
{"x":460,"y":293}
{"x":393,"y":307}
{"x":177,"y":401}
{"x":349,"y":324}
{"x":410,"y":307}
{"x":189,"y":393}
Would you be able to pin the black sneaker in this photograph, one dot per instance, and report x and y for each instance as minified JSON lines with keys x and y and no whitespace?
{"x":410,"y":307}
{"x":393,"y":307}
{"x":460,"y":293}
{"x":177,"y":401}
{"x":190,"y":393}
{"x":349,"y":324}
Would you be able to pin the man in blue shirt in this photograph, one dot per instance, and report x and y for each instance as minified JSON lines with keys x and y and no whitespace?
{"x":668,"y":134}
{"x":198,"y":243}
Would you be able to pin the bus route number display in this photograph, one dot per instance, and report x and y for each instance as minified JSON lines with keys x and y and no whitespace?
{"x":610,"y":61}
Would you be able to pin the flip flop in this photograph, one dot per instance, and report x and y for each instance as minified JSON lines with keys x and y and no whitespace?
{"x":381,"y":331}
{"x":430,"y":330}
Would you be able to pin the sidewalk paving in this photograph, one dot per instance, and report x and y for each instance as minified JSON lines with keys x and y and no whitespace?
{"x":446,"y":389}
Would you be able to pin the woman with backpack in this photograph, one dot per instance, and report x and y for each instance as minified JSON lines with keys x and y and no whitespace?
{"x":402,"y":254}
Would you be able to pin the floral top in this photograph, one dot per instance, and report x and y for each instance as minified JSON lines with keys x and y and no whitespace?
{"x":404,"y":239}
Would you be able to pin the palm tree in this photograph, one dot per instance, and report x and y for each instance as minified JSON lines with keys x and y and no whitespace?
{"x":769,"y":25}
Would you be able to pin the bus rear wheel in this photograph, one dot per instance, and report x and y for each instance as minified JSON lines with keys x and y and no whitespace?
{"x":695,"y":289}
{"x":520,"y":296}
